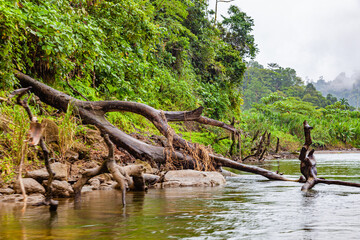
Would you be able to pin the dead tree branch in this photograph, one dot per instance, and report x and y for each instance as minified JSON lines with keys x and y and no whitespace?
{"x":36,"y":137}
{"x":129,"y":177}
{"x":308,"y":165}
{"x":93,"y":113}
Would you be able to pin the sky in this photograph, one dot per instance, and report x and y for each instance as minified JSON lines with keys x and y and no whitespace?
{"x":314,"y":37}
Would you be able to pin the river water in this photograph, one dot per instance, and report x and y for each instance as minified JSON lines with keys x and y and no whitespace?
{"x":248,"y":207}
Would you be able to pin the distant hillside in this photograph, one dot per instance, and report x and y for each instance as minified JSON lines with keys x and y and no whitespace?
{"x":342,"y":87}
{"x":260,"y":81}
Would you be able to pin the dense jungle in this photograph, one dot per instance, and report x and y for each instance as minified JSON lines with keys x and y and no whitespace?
{"x":147,"y":96}
{"x":170,"y":55}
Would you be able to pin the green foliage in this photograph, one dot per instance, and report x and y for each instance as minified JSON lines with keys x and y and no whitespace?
{"x":238,"y":26}
{"x":67,"y":130}
{"x":260,"y":81}
{"x":167,"y":54}
{"x":14,"y":127}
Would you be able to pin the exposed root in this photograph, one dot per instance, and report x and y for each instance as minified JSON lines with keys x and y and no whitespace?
{"x":128,"y":177}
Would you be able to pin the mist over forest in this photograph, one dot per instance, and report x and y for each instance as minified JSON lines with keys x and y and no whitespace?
{"x":343,"y":86}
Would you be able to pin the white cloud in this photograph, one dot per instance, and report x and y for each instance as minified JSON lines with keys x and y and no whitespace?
{"x":316,"y":38}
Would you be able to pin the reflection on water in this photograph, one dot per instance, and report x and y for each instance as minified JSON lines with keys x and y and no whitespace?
{"x":249,"y":207}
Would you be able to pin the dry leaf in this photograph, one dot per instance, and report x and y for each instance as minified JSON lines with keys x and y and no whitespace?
{"x":35,"y":133}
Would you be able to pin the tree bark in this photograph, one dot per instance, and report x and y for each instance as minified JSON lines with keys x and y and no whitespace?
{"x":93,"y":113}
{"x":128,"y":177}
{"x":308,"y":165}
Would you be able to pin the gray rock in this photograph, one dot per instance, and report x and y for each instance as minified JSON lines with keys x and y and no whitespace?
{"x":30,"y":185}
{"x":60,"y":170}
{"x":6,"y":191}
{"x":192,"y":178}
{"x":34,"y":198}
{"x":95,"y":183}
{"x":86,"y":188}
{"x":109,"y":185}
{"x":61,"y":188}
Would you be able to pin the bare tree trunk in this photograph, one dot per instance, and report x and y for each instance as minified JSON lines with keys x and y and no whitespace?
{"x":308,"y":165}
{"x":277,"y":145}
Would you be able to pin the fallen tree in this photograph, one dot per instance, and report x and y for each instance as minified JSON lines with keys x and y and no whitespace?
{"x":179,"y":152}
{"x":308,"y":165}
{"x":187,"y":154}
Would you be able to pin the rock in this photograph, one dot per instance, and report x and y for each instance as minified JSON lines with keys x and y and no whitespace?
{"x":151,"y":179}
{"x":31,"y":186}
{"x":11,"y":198}
{"x":95,"y":183}
{"x":60,"y":170}
{"x":71,"y":155}
{"x":34,"y":198}
{"x":6,"y":191}
{"x":192,"y":178}
{"x":86,"y":188}
{"x":50,"y":130}
{"x":61,"y":188}
{"x":31,"y":199}
{"x":109,"y":185}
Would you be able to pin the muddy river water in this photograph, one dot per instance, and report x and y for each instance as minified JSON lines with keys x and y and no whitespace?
{"x":248,"y":207}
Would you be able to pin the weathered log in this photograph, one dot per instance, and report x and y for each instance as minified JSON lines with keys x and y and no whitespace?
{"x":308,"y":165}
{"x":93,"y":113}
{"x":249,"y":168}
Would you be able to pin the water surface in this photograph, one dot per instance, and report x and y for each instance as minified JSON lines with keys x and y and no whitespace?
{"x":248,"y":207}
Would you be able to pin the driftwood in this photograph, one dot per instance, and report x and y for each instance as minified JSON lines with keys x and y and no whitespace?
{"x":93,"y":113}
{"x":128,"y":177}
{"x":35,"y":138}
{"x":308,"y":165}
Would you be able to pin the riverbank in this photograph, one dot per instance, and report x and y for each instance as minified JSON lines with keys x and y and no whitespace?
{"x":247,"y":207}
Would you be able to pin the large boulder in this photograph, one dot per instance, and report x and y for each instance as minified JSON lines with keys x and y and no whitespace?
{"x":192,"y":178}
{"x":61,"y":188}
{"x":60,"y":170}
{"x":30,"y":185}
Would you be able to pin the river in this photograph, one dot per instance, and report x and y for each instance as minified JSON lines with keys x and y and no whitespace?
{"x":248,"y":207}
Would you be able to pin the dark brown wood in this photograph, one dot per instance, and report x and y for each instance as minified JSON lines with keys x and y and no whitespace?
{"x":93,"y":113}
{"x":249,"y":168}
{"x":277,"y":145}
{"x":308,"y":165}
{"x":128,"y":177}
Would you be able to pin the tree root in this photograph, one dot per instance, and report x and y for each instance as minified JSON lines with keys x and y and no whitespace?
{"x":93,"y":113}
{"x":128,"y":177}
